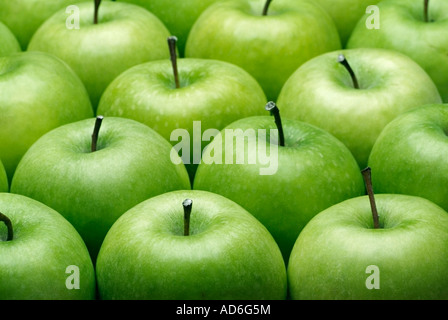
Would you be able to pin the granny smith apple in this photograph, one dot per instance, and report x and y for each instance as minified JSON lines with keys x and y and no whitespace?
{"x":340,"y":255}
{"x":210,"y":92}
{"x":178,"y":16}
{"x":410,"y":155}
{"x":347,"y":13}
{"x":354,"y":93}
{"x":23,"y":17}
{"x":282,"y":171}
{"x":269,"y":41}
{"x":9,"y":43}
{"x":122,"y":36}
{"x":415,"y":29}
{"x":92,"y":171}
{"x":190,"y":245}
{"x":42,"y":257}
{"x":4,"y":183}
{"x":39,"y":92}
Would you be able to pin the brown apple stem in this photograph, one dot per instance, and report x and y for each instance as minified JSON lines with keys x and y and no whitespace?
{"x":96,"y":130}
{"x":366,"y":173}
{"x":266,"y":7}
{"x":188,"y":204}
{"x":95,"y":12}
{"x":8,"y":224}
{"x":425,"y":10}
{"x":172,"y":46}
{"x":273,"y":109}
{"x":344,"y":62}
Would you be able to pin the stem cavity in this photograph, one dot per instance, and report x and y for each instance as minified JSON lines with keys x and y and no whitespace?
{"x":8,"y":224}
{"x":187,"y":204}
{"x":366,"y":173}
{"x":273,"y":109}
{"x":344,"y":62}
{"x":96,"y":130}
{"x":172,"y":41}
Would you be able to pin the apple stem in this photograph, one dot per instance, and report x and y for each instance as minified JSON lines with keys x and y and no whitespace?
{"x":96,"y":130}
{"x":366,"y":173}
{"x":95,"y":13}
{"x":425,"y":14}
{"x":8,"y":224}
{"x":172,"y":46}
{"x":188,"y":204}
{"x":344,"y":62}
{"x":273,"y":109}
{"x":266,"y":7}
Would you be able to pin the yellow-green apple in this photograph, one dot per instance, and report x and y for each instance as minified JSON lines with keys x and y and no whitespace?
{"x":417,"y":28}
{"x":269,"y":41}
{"x":42,"y":256}
{"x":190,"y":245}
{"x":39,"y":92}
{"x":92,"y":171}
{"x":340,"y":255}
{"x":111,"y":38}
{"x":210,"y":93}
{"x":283,"y":173}
{"x":23,"y":17}
{"x":8,"y":40}
{"x":410,"y":155}
{"x":347,"y":13}
{"x":355,"y":93}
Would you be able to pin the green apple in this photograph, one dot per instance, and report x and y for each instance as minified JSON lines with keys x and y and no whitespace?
{"x":283,"y":184}
{"x":270,"y":42}
{"x":124,"y":35}
{"x":340,"y":255}
{"x":406,"y":26}
{"x":190,"y":245}
{"x":93,"y":178}
{"x":213,"y":93}
{"x":42,"y":257}
{"x":4,"y":183}
{"x":346,"y":14}
{"x":356,"y":97}
{"x":9,"y":43}
{"x":39,"y":92}
{"x":178,"y":16}
{"x":410,"y":155}
{"x":23,"y":17}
